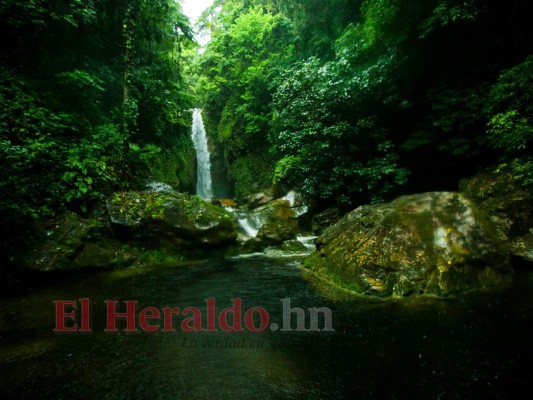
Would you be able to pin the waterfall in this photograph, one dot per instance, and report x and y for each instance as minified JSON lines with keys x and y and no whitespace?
{"x":248,"y":228}
{"x":199,"y":138}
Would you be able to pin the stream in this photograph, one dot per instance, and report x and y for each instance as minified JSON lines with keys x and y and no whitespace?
{"x":471,"y":346}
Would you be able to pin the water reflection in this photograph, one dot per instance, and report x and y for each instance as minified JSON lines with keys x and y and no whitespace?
{"x":474,"y":346}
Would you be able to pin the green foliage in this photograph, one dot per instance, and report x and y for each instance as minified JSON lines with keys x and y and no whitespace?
{"x":510,"y":108}
{"x":90,"y":167}
{"x":325,"y":150}
{"x":509,"y":112}
{"x":39,"y":13}
{"x":285,"y":168}
{"x":521,"y":170}
{"x":251,"y":174}
{"x":81,"y":80}
{"x":90,"y":94}
{"x":47,"y":166}
{"x":248,"y":50}
{"x":450,"y":12}
{"x":361,"y":93}
{"x":510,"y":131}
{"x":238,"y":66}
{"x":144,"y":153}
{"x":341,"y":98}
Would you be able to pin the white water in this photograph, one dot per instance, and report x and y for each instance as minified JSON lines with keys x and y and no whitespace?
{"x":308,"y":242}
{"x":248,"y":228}
{"x":159,"y":187}
{"x":295,"y":202}
{"x":290,"y":197}
{"x":199,"y":138}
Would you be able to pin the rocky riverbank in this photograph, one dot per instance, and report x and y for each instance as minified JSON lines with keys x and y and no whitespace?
{"x":433,"y":243}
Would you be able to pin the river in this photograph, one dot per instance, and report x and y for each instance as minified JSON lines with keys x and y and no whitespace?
{"x":474,"y":346}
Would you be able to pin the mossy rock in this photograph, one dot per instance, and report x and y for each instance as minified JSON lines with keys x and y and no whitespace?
{"x":293,"y":246}
{"x":276,"y":234}
{"x":433,"y":243}
{"x":70,"y":243}
{"x":279,"y":212}
{"x":110,"y":255}
{"x":323,"y":220}
{"x":176,"y":217}
{"x":509,"y":206}
{"x":259,"y":199}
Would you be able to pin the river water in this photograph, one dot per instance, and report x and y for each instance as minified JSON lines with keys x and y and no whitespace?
{"x":473,"y":346}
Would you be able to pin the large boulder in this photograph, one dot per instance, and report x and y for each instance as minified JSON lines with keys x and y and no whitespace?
{"x":508,"y":205}
{"x":285,"y":211}
{"x":274,"y":222}
{"x":276,"y":234}
{"x":433,"y":243}
{"x":71,"y":243}
{"x":175,"y":218}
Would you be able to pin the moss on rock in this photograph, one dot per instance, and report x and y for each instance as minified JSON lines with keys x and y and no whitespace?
{"x":177,"y":217}
{"x":433,"y":243}
{"x":72,"y":243}
{"x":508,"y":205}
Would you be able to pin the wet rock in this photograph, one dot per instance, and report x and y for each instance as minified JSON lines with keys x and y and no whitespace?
{"x":508,"y":205}
{"x":70,"y":243}
{"x":278,"y":215}
{"x":252,"y":245}
{"x":259,"y":199}
{"x":228,"y":203}
{"x":293,"y":246}
{"x":275,"y":234}
{"x":325,"y":219}
{"x":175,"y":218}
{"x":433,"y":243}
{"x":279,"y":211}
{"x":101,"y":256}
{"x":294,"y":198}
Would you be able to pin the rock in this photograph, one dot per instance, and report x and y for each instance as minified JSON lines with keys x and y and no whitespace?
{"x":98,"y":256}
{"x":257,"y":200}
{"x":252,"y":245}
{"x":275,"y":234}
{"x":293,"y":246}
{"x":242,"y":238}
{"x":276,"y":221}
{"x":523,"y":247}
{"x":279,"y":211}
{"x":325,"y":219}
{"x":220,"y":184}
{"x":295,"y":199}
{"x":70,"y":243}
{"x":433,"y":243}
{"x":508,"y":205}
{"x":175,"y":218}
{"x":228,"y":203}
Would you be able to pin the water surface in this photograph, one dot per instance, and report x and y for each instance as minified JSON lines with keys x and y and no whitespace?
{"x":474,"y":346}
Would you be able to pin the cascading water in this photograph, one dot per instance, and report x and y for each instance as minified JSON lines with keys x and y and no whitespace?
{"x":250,"y":222}
{"x":247,"y":227}
{"x":199,"y":138}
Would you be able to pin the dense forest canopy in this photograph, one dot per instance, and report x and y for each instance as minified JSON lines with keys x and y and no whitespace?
{"x":349,"y":101}
{"x":355,"y":101}
{"x":93,"y":99}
